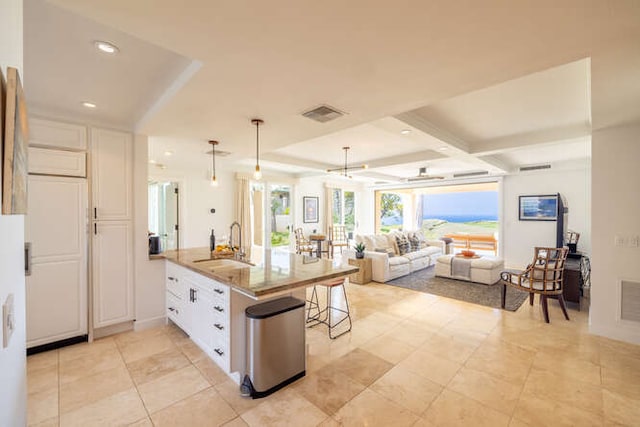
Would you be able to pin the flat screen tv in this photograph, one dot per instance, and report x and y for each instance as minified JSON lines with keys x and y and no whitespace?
{"x":539,"y":208}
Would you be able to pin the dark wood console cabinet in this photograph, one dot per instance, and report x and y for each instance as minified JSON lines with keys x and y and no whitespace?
{"x":572,"y":281}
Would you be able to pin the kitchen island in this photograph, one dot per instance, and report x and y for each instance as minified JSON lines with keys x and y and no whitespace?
{"x":207,"y":295}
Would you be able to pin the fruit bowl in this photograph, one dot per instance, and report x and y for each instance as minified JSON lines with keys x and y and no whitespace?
{"x":467,"y":253}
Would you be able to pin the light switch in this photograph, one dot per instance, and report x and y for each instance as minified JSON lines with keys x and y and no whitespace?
{"x":8,"y":320}
{"x":634,"y":241}
{"x":619,"y":241}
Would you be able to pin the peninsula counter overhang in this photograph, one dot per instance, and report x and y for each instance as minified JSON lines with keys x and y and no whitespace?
{"x":267,"y":273}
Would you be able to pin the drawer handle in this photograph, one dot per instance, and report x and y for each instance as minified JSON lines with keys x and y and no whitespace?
{"x":220,"y":352}
{"x":218,"y":308}
{"x":171,"y":278}
{"x":219,"y":326}
{"x":218,"y":291}
{"x":174,"y":309}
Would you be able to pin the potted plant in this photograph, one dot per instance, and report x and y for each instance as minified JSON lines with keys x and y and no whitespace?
{"x":359,"y":250}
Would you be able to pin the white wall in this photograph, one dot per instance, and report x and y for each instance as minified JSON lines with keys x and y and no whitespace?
{"x":616,"y":212}
{"x":197,"y":197}
{"x":13,"y":385}
{"x":309,"y":187}
{"x":520,"y":237}
{"x":149,"y":274}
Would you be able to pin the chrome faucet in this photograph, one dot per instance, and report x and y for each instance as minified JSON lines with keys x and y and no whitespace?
{"x":240,"y":252}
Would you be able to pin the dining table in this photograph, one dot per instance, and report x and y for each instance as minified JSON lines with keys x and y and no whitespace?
{"x":318,"y":238}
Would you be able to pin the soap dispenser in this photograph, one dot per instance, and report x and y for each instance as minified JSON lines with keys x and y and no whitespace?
{"x":212,"y":240}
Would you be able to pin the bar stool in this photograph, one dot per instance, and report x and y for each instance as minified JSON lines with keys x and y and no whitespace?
{"x":324,"y":315}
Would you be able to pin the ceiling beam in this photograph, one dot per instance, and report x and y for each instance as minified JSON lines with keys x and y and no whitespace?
{"x":416,"y":120}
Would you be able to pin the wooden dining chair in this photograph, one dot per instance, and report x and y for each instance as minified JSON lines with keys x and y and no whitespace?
{"x":302,"y":244}
{"x":543,"y":277}
{"x":337,"y":238}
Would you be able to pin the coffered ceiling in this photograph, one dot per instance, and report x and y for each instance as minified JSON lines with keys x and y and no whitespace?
{"x":493,"y":83}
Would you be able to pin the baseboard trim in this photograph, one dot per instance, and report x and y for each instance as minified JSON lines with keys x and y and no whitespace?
{"x":57,"y":344}
{"x":141,"y":325}
{"x":113,"y":329}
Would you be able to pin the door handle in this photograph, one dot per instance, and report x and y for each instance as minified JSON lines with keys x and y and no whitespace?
{"x":219,"y":326}
{"x":27,"y":258}
{"x":218,"y":308}
{"x":95,"y":213}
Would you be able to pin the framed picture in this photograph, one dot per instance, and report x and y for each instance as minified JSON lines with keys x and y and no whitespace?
{"x":310,"y":205}
{"x":539,"y":208}
{"x":16,"y":137}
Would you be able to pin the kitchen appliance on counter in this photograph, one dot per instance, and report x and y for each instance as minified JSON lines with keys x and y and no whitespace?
{"x":154,"y":245}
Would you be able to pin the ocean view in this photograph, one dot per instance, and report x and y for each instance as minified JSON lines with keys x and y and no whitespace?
{"x":461,"y":218}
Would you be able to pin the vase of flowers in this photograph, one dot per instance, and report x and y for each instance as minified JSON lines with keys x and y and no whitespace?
{"x":359,"y":250}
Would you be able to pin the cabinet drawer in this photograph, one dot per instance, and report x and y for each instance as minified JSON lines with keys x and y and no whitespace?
{"x":175,"y":310}
{"x":220,"y":326}
{"x":175,"y":286}
{"x":220,"y":354}
{"x":57,"y":162}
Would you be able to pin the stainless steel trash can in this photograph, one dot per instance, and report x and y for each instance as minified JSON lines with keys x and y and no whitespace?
{"x":275,"y":346}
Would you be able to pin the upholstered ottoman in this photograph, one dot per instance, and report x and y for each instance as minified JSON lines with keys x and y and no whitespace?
{"x":485,"y":269}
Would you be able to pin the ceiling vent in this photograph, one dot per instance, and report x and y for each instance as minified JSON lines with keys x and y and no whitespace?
{"x":470,"y":174}
{"x":323,"y":114}
{"x":534,"y":167}
{"x":219,"y":153}
{"x":423,"y":176}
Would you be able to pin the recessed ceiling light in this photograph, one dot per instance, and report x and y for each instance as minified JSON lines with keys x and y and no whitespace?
{"x":89,"y":104}
{"x":443,"y":148}
{"x":106,"y":47}
{"x":405,"y":131}
{"x":153,"y":162}
{"x":168,"y":153}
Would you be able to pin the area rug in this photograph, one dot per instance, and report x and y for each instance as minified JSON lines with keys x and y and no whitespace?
{"x":487,"y":295}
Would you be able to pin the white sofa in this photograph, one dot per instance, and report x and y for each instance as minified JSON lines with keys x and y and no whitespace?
{"x":385,"y":267}
{"x":485,"y":270}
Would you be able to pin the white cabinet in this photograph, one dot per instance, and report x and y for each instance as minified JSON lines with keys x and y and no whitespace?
{"x":112,"y":227}
{"x":51,"y":134}
{"x":112,"y":183}
{"x":200,"y":306}
{"x":43,"y":161}
{"x":112,"y":273}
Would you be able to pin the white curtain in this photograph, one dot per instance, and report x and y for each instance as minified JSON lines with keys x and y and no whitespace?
{"x":417,"y":203}
{"x":328,"y":210}
{"x":243,"y":213}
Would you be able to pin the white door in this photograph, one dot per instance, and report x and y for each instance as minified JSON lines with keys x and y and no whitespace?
{"x":111,"y":154}
{"x":112,"y":273}
{"x":56,"y":226}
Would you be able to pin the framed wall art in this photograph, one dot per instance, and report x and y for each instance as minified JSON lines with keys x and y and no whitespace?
{"x":538,"y":208}
{"x":310,"y":206}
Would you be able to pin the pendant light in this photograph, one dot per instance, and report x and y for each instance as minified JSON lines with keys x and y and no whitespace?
{"x":257,"y":174}
{"x":214,"y":179}
{"x":344,"y":171}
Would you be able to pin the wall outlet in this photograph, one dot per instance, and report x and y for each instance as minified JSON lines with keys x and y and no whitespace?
{"x":619,"y":241}
{"x":8,"y":320}
{"x":634,"y":241}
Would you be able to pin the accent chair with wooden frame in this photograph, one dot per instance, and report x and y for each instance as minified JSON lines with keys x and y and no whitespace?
{"x":302,"y":244}
{"x":543,"y":276}
{"x":337,"y":237}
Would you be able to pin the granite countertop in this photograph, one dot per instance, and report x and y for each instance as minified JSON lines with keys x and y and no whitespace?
{"x":267,"y":272}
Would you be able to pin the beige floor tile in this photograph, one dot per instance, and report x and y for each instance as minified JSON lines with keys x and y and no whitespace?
{"x":517,"y":423}
{"x":430,"y":366}
{"x":371,"y":409}
{"x":423,"y":423}
{"x":361,"y":366}
{"x":145,"y":422}
{"x":171,"y":388}
{"x":389,"y":349}
{"x":42,"y":379}
{"x":497,"y":394}
{"x":211,"y":371}
{"x":139,"y":349}
{"x":47,"y":359}
{"x":133,"y":336}
{"x":410,"y":332}
{"x":191,"y":350}
{"x":205,"y":408}
{"x":51,"y":422}
{"x":448,"y":348}
{"x":86,"y":390}
{"x":328,"y":389}
{"x":72,"y":369}
{"x":118,"y":409}
{"x":329,"y":422}
{"x":454,"y":409}
{"x":621,"y":409}
{"x":236,"y":422}
{"x":230,"y":392}
{"x":561,"y":365}
{"x":625,"y":382}
{"x":86,"y":350}
{"x":284,"y":408}
{"x":42,"y":406}
{"x":563,"y":390}
{"x":403,"y":387}
{"x":503,"y":360}
{"x":544,"y":412}
{"x":157,"y":365}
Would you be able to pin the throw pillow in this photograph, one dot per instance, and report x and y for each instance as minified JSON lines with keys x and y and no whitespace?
{"x":387,"y":251}
{"x":403,"y":244}
{"x":415,"y":243}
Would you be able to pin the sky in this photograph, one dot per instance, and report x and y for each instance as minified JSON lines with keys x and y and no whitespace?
{"x":464,"y":203}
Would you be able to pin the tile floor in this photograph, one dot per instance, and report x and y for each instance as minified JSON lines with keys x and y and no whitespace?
{"x":412,"y":359}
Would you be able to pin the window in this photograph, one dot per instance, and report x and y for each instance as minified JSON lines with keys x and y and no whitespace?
{"x":344,"y":208}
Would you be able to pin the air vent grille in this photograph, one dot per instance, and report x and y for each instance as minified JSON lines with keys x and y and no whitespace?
{"x":534,"y":167}
{"x":630,"y":300}
{"x":323,"y":114}
{"x":468,"y":174}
